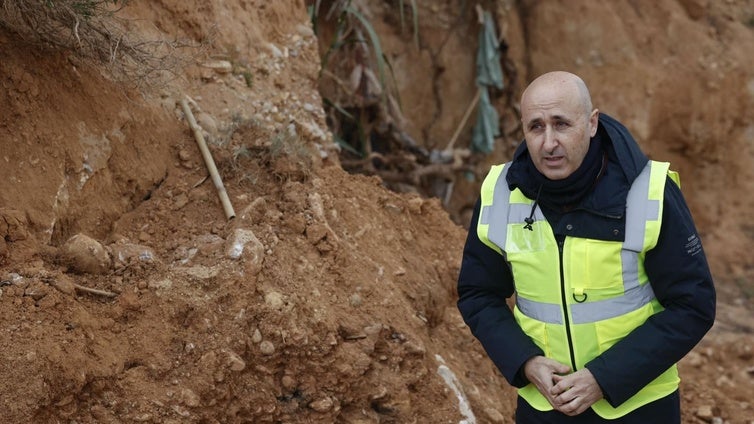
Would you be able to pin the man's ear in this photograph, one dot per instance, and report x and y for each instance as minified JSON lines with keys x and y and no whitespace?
{"x":594,"y":120}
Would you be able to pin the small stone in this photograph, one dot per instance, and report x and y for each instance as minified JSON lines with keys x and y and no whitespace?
{"x":125,"y":253}
{"x":316,"y":232}
{"x":243,"y":243}
{"x":393,"y":208}
{"x":305,"y":30}
{"x":207,"y":122}
{"x":274,"y":300}
{"x":705,"y":412}
{"x":415,"y":349}
{"x":355,"y":300}
{"x":180,"y":201}
{"x":189,"y":398}
{"x":415,"y":205}
{"x":254,"y":212}
{"x":129,"y":301}
{"x":99,"y":413}
{"x":184,"y":155}
{"x":83,"y":254}
{"x":267,"y":348}
{"x":322,"y":405}
{"x":64,"y":285}
{"x":235,"y":363}
{"x":274,"y":50}
{"x":373,"y":329}
{"x":349,"y":333}
{"x":724,"y":380}
{"x":219,"y":66}
{"x":380,"y":393}
{"x":256,"y":336}
{"x":288,"y":382}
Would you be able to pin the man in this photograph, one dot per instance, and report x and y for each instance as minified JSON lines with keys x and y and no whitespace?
{"x":612,"y":285}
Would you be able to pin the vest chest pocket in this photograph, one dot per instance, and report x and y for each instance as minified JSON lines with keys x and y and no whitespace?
{"x":526,"y":240}
{"x":594,"y":269}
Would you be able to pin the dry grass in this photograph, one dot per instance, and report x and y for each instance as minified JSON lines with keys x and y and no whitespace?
{"x":93,"y":30}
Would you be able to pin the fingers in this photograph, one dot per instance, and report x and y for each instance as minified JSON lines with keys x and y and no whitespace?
{"x":541,"y":371}
{"x":570,"y":403}
{"x":574,"y":393}
{"x":570,"y":394}
{"x":575,"y":407}
{"x":561,"y":384}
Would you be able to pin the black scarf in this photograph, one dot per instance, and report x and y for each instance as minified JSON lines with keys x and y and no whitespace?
{"x":559,"y":195}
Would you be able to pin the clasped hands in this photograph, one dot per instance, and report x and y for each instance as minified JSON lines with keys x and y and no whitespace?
{"x":567,"y":392}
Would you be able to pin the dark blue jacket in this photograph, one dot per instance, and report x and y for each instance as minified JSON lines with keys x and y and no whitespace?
{"x":677,"y":269}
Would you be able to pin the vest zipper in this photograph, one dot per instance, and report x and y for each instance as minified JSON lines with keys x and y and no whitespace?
{"x":564,"y":299}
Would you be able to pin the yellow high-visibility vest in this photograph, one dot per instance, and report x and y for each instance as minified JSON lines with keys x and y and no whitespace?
{"x":577,"y":304}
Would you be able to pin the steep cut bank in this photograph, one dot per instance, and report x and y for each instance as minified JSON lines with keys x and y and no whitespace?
{"x":328,"y":298}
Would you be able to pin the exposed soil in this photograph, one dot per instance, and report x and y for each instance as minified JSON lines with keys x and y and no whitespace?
{"x":328,"y":298}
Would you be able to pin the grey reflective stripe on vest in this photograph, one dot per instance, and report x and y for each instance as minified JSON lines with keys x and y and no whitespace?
{"x":582,"y":313}
{"x":499,"y":209}
{"x":640,"y":209}
{"x":551,"y":313}
{"x":504,"y":212}
{"x":631,"y":300}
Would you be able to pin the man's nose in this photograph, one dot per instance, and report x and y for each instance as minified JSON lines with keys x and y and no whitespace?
{"x":551,"y":139}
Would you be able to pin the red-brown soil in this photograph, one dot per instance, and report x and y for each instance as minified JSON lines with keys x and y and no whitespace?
{"x":328,"y":298}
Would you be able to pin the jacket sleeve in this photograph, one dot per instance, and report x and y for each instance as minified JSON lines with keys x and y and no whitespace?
{"x":484,"y":283}
{"x":680,"y":277}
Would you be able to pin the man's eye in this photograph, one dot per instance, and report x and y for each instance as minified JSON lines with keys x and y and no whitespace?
{"x":534,"y":127}
{"x":562,"y":124}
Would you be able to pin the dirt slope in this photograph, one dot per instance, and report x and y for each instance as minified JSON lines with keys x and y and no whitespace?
{"x":327,"y":298}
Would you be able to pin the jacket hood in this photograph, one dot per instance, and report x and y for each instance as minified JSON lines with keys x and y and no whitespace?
{"x":630,"y":157}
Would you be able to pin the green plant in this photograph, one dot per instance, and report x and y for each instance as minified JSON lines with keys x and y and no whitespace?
{"x":364,"y":96}
{"x":247,"y":77}
{"x":415,"y":19}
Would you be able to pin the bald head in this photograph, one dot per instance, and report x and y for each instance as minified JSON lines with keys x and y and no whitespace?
{"x":568,"y":84}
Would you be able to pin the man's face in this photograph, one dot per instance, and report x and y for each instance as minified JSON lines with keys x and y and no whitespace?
{"x":557,"y":128}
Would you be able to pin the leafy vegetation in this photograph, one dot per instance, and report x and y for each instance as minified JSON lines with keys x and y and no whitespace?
{"x":361,"y":93}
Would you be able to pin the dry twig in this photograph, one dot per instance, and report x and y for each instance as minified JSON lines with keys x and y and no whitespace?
{"x":94,"y":291}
